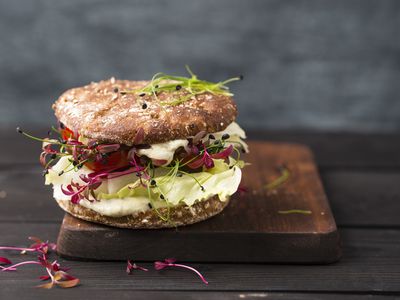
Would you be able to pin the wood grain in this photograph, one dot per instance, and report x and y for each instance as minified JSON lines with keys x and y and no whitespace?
{"x":370,"y":263}
{"x":250,"y":224}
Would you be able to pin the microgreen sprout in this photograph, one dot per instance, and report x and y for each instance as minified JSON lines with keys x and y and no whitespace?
{"x":191,"y":86}
{"x":57,"y":275}
{"x":285,"y":174}
{"x":130,"y":267}
{"x":170,"y":262}
{"x":295,"y":211}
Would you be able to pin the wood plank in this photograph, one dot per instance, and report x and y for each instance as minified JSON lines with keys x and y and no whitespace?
{"x":26,"y":197}
{"x":370,"y":264}
{"x":331,"y":149}
{"x":251,"y":223}
{"x":343,"y":150}
{"x":356,"y":197}
{"x":23,"y":293}
{"x":364,"y":198}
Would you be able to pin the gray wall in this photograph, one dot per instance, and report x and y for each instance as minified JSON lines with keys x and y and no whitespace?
{"x":329,"y":65}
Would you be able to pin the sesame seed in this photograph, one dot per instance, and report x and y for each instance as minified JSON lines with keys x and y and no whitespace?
{"x":225,"y":136}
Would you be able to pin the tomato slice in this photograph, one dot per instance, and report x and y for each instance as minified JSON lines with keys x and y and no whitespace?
{"x":114,"y":160}
{"x":67,"y":134}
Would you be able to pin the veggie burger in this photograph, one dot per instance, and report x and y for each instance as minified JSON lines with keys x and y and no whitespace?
{"x":145,"y":154}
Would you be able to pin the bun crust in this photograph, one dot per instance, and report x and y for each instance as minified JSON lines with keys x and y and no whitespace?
{"x":100,"y":111}
{"x":179,"y":215}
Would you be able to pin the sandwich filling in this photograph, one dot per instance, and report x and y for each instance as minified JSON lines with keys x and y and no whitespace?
{"x":116,"y":180}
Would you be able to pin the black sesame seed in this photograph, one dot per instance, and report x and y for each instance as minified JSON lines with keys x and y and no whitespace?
{"x":123,"y":93}
{"x":62,"y":126}
{"x":62,"y":172}
{"x":116,"y":90}
{"x":156,"y":86}
{"x":150,"y":206}
{"x":162,"y":196}
{"x":19,"y":130}
{"x":225,"y":136}
{"x":144,"y":106}
{"x":153,"y":182}
{"x":142,"y":94}
{"x":211,"y":137}
{"x":202,"y":188}
{"x":178,"y":87}
{"x":281,"y":168}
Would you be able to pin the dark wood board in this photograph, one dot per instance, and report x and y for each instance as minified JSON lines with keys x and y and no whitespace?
{"x":370,"y":264}
{"x":250,"y":229}
{"x":22,"y":294}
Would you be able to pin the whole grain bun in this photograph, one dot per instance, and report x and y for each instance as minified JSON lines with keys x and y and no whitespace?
{"x":100,"y":111}
{"x":178,"y":216}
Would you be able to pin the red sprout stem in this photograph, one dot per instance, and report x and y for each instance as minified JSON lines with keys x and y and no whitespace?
{"x":18,"y":249}
{"x":13,"y":267}
{"x":50,"y":275}
{"x":189,"y":268}
{"x":8,"y":268}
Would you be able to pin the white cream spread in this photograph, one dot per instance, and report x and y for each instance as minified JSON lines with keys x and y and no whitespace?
{"x":163,"y":151}
{"x":166,"y":151}
{"x":124,"y":195}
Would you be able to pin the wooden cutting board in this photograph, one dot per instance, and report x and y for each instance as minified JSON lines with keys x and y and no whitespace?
{"x":291,"y":223}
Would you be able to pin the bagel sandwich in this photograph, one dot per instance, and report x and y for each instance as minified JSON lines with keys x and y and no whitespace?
{"x":145,"y":154}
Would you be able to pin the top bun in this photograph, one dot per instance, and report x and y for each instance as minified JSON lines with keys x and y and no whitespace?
{"x":102,"y":111}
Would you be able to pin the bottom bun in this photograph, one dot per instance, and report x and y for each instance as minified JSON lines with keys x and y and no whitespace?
{"x":178,"y":215}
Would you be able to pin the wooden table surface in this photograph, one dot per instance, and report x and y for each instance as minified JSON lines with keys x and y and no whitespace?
{"x":361,"y":176}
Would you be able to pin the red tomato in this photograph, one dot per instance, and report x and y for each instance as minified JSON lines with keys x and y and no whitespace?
{"x":67,"y":133}
{"x":115,"y":160}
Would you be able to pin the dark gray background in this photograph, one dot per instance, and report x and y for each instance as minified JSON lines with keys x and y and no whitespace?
{"x":324,"y":65}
